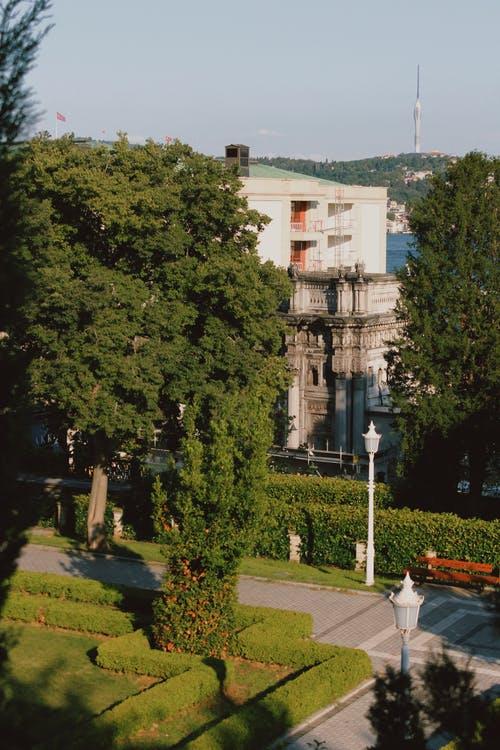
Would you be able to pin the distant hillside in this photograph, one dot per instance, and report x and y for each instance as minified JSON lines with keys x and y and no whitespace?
{"x":384,"y":171}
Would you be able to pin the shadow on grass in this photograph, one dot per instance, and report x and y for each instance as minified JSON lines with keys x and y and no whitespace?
{"x":254,"y":724}
{"x":29,"y":720}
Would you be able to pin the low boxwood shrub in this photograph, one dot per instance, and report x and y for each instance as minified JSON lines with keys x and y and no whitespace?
{"x":153,"y":705}
{"x":274,"y":636}
{"x":82,"y":590}
{"x":133,"y":653}
{"x":329,"y":534}
{"x":257,"y":723}
{"x":297,"y":488}
{"x":66,"y":614}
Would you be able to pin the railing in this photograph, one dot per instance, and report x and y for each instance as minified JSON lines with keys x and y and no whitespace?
{"x":297,"y":226}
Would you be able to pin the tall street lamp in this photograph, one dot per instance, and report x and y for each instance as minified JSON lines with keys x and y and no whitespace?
{"x":406,"y":604}
{"x":372,"y":440}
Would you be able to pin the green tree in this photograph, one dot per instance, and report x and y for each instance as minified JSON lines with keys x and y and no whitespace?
{"x":215,"y":500}
{"x":146,"y":290}
{"x":444,"y":366}
{"x":22,"y":28}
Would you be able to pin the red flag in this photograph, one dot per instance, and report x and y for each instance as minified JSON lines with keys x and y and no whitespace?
{"x":60,"y":117}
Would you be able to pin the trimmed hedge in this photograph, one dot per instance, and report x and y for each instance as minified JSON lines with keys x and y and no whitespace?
{"x":325,"y":673}
{"x":297,"y":488}
{"x":329,"y":534}
{"x":66,"y":614}
{"x":257,"y":723}
{"x":155,"y":704}
{"x":82,"y":590}
{"x":133,"y":653}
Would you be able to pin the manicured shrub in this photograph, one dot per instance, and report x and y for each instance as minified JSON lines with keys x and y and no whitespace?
{"x":297,"y":488}
{"x":325,"y":673}
{"x":133,"y":653}
{"x":329,"y":534}
{"x":65,"y":614}
{"x":156,"y":704}
{"x":82,"y":590}
{"x":257,"y":723}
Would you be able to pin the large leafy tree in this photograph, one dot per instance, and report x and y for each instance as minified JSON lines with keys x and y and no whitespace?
{"x":146,"y":291}
{"x":22,"y":28}
{"x":444,"y":366}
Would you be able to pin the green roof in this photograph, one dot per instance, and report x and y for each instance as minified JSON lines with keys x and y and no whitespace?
{"x":264,"y":170}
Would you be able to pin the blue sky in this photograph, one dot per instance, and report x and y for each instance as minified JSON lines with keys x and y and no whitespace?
{"x":316,"y":79}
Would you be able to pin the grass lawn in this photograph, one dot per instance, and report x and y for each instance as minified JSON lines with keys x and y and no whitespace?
{"x":275,"y":570}
{"x":55,"y":688}
{"x":54,"y":683}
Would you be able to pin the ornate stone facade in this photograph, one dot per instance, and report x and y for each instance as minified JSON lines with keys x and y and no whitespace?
{"x":340,"y":324}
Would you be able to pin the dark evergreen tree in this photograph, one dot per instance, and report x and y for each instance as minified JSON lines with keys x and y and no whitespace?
{"x":444,"y":366}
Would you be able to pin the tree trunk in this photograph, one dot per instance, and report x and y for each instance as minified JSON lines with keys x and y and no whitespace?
{"x":96,"y":530}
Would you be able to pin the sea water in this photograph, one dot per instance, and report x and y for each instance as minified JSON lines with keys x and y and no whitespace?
{"x":398,"y":246}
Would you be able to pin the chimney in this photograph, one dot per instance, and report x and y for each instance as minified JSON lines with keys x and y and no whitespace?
{"x":237,"y":153}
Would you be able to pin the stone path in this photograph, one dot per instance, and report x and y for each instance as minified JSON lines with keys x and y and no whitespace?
{"x":454,"y":617}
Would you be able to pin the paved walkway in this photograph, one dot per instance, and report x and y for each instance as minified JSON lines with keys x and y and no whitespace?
{"x":453,"y":617}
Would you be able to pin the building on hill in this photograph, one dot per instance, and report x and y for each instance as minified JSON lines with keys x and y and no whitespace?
{"x":332,"y":238}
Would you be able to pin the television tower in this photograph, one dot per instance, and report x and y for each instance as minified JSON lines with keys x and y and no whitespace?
{"x":417,"y":113}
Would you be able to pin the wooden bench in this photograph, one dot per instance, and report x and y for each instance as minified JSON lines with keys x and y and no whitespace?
{"x":454,"y":571}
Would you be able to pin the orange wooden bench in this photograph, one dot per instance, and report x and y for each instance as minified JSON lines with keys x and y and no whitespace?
{"x":454,"y":571}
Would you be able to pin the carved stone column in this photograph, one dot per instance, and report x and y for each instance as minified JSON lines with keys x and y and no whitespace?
{"x":293,"y":440}
{"x":341,"y":412}
{"x":358,"y":412}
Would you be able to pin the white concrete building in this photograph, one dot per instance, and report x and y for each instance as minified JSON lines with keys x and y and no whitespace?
{"x":332,"y":238}
{"x":317,"y":224}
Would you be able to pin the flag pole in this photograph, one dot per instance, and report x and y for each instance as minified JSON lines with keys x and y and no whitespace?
{"x":56,"y":125}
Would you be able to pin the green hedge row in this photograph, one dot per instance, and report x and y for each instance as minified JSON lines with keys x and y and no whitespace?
{"x":133,"y":653}
{"x":153,"y":705}
{"x":257,"y":723}
{"x":66,"y":614}
{"x":329,"y":534}
{"x":273,"y":636}
{"x":82,"y":590}
{"x":297,"y":488}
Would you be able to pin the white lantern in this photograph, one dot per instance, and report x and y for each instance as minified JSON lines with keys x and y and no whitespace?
{"x":406,"y":605}
{"x":372,"y":439}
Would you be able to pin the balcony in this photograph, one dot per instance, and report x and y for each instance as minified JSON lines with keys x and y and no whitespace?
{"x":316,"y":225}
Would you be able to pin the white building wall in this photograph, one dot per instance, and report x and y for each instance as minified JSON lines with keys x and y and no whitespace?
{"x":372,"y":253}
{"x":271,"y":245}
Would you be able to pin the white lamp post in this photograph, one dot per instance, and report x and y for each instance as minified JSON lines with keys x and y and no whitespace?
{"x":372,"y":440}
{"x":406,"y":604}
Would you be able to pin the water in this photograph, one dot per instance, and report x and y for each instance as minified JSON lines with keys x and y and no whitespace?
{"x":398,"y":246}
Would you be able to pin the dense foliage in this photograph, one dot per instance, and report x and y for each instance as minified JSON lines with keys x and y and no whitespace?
{"x":312,"y":489}
{"x":22,"y":28}
{"x":443,"y":368}
{"x":213,"y":508}
{"x":329,"y":534}
{"x":145,"y":290}
{"x":377,"y":171}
